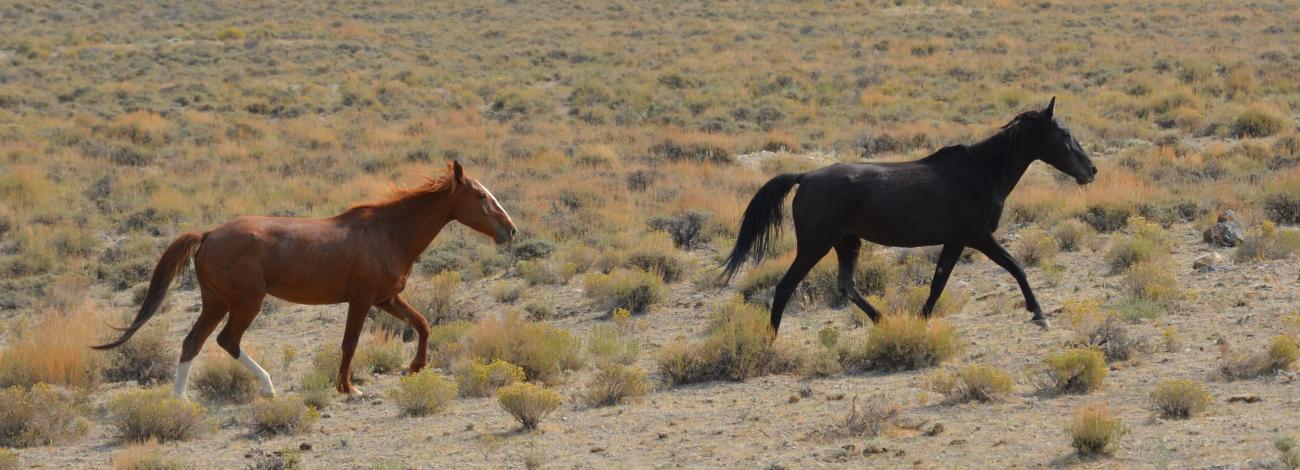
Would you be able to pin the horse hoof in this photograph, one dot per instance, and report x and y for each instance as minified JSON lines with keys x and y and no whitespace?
{"x":268,"y":393}
{"x":1042,"y":323}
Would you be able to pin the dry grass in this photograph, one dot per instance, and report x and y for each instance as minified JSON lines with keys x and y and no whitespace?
{"x":903,"y":342}
{"x":423,"y":393}
{"x":1268,"y":242}
{"x":140,"y":415}
{"x":1282,"y":352}
{"x":381,"y":353}
{"x":39,"y":416}
{"x":221,"y":379}
{"x":482,"y":380}
{"x":874,"y":416}
{"x":528,"y":403}
{"x":1078,"y":370}
{"x":615,"y":384}
{"x":975,"y":382}
{"x":147,"y":359}
{"x":54,"y":348}
{"x":284,"y":414}
{"x":1036,"y":247}
{"x":634,"y":290}
{"x":542,"y":350}
{"x":1178,"y":398}
{"x":144,"y":456}
{"x":738,"y":345}
{"x":605,"y":344}
{"x":1095,"y":430}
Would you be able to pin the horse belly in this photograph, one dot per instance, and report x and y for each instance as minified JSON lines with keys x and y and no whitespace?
{"x":903,"y":228}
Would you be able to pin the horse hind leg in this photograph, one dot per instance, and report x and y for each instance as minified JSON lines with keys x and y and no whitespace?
{"x":229,"y":338}
{"x":808,"y":255}
{"x":209,"y":318}
{"x":847,"y":251}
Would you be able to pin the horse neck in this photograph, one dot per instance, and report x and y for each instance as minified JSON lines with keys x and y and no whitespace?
{"x":1006,"y":161}
{"x":413,"y":222}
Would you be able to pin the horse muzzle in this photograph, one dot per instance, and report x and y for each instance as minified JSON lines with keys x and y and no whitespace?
{"x":505,"y":234}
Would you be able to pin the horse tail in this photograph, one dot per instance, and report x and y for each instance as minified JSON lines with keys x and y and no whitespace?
{"x":171,"y":263}
{"x":762,"y":221}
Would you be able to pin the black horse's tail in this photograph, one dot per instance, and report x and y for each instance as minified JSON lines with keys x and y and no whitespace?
{"x":761,"y":223}
{"x":171,"y":263}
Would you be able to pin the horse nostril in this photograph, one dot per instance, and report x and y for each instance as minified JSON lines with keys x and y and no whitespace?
{"x":1094,"y":171}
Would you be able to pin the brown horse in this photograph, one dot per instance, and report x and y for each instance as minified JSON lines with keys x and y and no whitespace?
{"x":362,"y":257}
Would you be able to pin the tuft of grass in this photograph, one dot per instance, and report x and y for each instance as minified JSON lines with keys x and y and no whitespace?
{"x":481,"y":380}
{"x":605,"y":344}
{"x":140,"y":415}
{"x":1290,"y":450}
{"x":614,"y":384}
{"x":543,"y":350}
{"x":738,"y":345}
{"x":903,"y":342}
{"x":285,"y":414}
{"x":1036,"y":247}
{"x":637,"y":291}
{"x":146,"y":359}
{"x":144,"y":456}
{"x":657,"y":254}
{"x":54,"y":349}
{"x":381,"y":353}
{"x":1180,"y":398}
{"x":870,"y":418}
{"x":39,"y":416}
{"x":1268,"y":242}
{"x":1256,"y":123}
{"x":1281,"y":354}
{"x":1094,"y":430}
{"x":1146,"y":241}
{"x":1152,"y":281}
{"x":975,"y":382}
{"x":317,"y":388}
{"x":1072,"y":234}
{"x":1078,"y":370}
{"x":423,"y":393}
{"x":528,"y":403}
{"x":222,"y":379}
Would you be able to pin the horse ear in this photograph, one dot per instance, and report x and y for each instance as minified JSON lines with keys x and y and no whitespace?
{"x":457,"y":172}
{"x":1051,"y":105}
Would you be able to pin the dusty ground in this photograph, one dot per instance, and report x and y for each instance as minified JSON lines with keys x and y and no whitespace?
{"x":754,"y":424}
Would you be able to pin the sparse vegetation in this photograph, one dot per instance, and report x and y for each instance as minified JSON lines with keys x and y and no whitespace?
{"x":736,"y":346}
{"x":146,"y":359}
{"x":39,"y":416}
{"x":528,"y":403}
{"x":285,"y":414}
{"x":223,"y":380}
{"x":606,"y":344}
{"x":423,"y":393}
{"x":144,"y":456}
{"x":872,"y":417}
{"x":636,"y":291}
{"x":975,"y":382}
{"x":903,"y":342}
{"x":1268,"y":242}
{"x":1180,"y":398}
{"x":482,"y":380}
{"x":40,"y":355}
{"x":140,"y":415}
{"x":614,"y":384}
{"x":1078,"y":370}
{"x":1281,"y":353}
{"x":1095,"y":430}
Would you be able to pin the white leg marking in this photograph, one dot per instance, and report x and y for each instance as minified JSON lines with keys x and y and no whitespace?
{"x":182,"y":377}
{"x":267,"y":388}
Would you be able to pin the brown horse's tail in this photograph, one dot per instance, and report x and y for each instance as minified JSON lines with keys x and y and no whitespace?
{"x":172,"y":262}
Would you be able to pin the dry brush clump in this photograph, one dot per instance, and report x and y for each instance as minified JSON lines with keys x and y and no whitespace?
{"x":223,"y":380}
{"x":146,"y":359}
{"x":1282,"y":352}
{"x":423,"y":393}
{"x":39,"y":415}
{"x":544,"y":351}
{"x":1072,"y":234}
{"x":284,"y":414}
{"x":1103,"y":331}
{"x":1078,"y":370}
{"x":1145,"y":242}
{"x":1036,"y":247}
{"x":737,"y":345}
{"x":482,"y":380}
{"x":139,"y":415}
{"x":528,"y":403}
{"x":55,"y":349}
{"x":381,"y":353}
{"x":902,"y":342}
{"x":615,"y":383}
{"x":1180,"y":398}
{"x":872,"y":417}
{"x":611,"y":344}
{"x":1095,"y":430}
{"x":634,"y":290}
{"x":1268,"y":242}
{"x":975,"y":382}
{"x":145,"y":456}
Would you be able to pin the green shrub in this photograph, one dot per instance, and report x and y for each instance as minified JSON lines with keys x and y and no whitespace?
{"x":614,"y":384}
{"x":606,"y":344}
{"x":317,"y":388}
{"x":423,"y":393}
{"x":903,"y":342}
{"x":738,"y":345}
{"x":40,"y":416}
{"x":481,"y":380}
{"x":231,"y":34}
{"x":1290,"y":450}
{"x":1036,"y":247}
{"x":1180,"y":398}
{"x":285,"y":414}
{"x":636,"y":291}
{"x":657,"y":254}
{"x":1077,"y":370}
{"x":1071,"y":234}
{"x":529,"y":403}
{"x":139,"y":415}
{"x":381,"y":354}
{"x":543,"y":350}
{"x":222,"y":379}
{"x":1267,"y":242}
{"x":1147,"y":241}
{"x":976,"y":382}
{"x":1256,"y":123}
{"x":1095,"y":430}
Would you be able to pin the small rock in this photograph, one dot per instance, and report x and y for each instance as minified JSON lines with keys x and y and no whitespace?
{"x":874,"y":449}
{"x":848,"y":447}
{"x":597,"y":450}
{"x":1245,"y":399}
{"x":957,"y":442}
{"x":1207,"y":262}
{"x":935,"y":430}
{"x":794,"y":399}
{"x":376,"y":402}
{"x":663,"y":435}
{"x":304,"y":446}
{"x":1226,"y":233}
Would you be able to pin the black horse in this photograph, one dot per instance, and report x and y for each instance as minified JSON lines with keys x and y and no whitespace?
{"x":953,"y":198}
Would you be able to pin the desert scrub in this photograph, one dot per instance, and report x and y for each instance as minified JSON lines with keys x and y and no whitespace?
{"x":9,"y":459}
{"x":614,"y":384}
{"x":326,"y":362}
{"x":656,"y":254}
{"x":1179,"y":398}
{"x":1094,"y":429}
{"x":975,"y":382}
{"x":146,"y":359}
{"x":1152,"y":281}
{"x":688,"y":229}
{"x":144,"y":456}
{"x":1104,"y":332}
{"x":528,"y":403}
{"x":905,"y":300}
{"x":507,"y":292}
{"x":316,"y":388}
{"x":53,"y":349}
{"x":437,"y":298}
{"x":423,"y":393}
{"x":819,"y":361}
{"x":870,"y":418}
{"x":41,"y":415}
{"x":1256,"y":123}
{"x":1282,"y":352}
{"x":1071,"y":234}
{"x":1267,"y":242}
{"x":605,"y":344}
{"x":153,"y":413}
{"x":737,"y":345}
{"x":381,"y":353}
{"x":285,"y":414}
{"x":903,"y":342}
{"x":543,"y":350}
{"x":1078,"y":370}
{"x":223,"y":380}
{"x":481,"y":380}
{"x":1036,"y":247}
{"x":637,"y":291}
{"x":1146,"y":241}
{"x":1290,"y":450}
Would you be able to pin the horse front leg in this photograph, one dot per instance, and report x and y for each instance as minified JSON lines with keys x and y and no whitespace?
{"x":351,"y":334}
{"x":947,"y":260}
{"x":999,"y":255}
{"x":398,"y":307}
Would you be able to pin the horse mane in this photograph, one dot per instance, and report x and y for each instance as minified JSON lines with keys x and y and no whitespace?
{"x":1001,"y":141}
{"x":426,"y":187}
